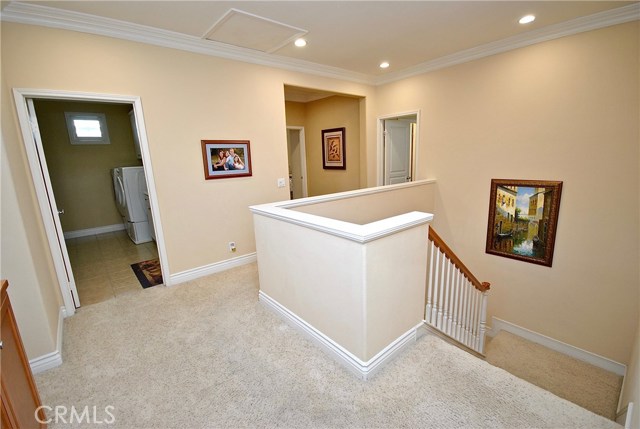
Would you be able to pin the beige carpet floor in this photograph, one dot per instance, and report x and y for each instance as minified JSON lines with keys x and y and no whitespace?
{"x":207,"y":354}
{"x":579,"y":382}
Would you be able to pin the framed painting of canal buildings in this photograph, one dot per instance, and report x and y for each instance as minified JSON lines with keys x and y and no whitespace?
{"x":523,"y":215}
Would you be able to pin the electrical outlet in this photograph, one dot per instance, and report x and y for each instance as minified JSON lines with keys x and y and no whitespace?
{"x":281,"y":182}
{"x":232,"y":246}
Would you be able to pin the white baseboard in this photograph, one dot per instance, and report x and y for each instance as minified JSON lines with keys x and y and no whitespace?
{"x":93,"y":231}
{"x":53,"y":359}
{"x":185,"y":276}
{"x":363,"y":370}
{"x":559,"y":346}
{"x":625,"y":416}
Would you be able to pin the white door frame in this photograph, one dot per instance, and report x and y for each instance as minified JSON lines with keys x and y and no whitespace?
{"x":303,"y":160}
{"x":380,"y":149}
{"x":42,"y":190}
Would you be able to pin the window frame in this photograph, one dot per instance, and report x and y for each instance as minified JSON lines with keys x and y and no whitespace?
{"x":74,"y":139}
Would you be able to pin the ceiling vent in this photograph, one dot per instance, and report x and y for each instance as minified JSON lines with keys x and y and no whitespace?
{"x":250,"y":31}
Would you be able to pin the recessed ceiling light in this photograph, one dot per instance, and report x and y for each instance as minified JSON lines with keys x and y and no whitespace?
{"x":300,"y":42}
{"x":384,"y":65}
{"x":527,"y":19}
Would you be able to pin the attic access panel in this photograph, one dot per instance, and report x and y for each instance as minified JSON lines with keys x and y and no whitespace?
{"x":250,"y":31}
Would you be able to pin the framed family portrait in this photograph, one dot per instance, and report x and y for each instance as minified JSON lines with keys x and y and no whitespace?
{"x":333,"y":149}
{"x":226,"y":158}
{"x":523,"y":216}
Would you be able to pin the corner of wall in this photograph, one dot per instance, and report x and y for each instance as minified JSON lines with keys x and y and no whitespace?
{"x":53,"y":359}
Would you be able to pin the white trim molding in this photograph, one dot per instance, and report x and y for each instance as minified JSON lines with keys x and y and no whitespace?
{"x":575,"y":26}
{"x":350,"y":231}
{"x":361,"y":369}
{"x":625,"y":416}
{"x":94,"y":231}
{"x":34,"y":14}
{"x":564,"y":348}
{"x":53,"y":359}
{"x":25,"y":13}
{"x":195,"y":273}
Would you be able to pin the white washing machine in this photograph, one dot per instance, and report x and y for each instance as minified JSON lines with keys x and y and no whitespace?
{"x":130,"y":187}
{"x":147,"y":203}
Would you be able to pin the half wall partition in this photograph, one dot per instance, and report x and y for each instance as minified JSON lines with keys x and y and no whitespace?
{"x":349,"y":269}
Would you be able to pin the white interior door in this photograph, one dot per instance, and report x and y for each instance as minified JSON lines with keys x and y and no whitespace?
{"x":297,"y":162}
{"x":397,"y":151}
{"x":50,"y":213}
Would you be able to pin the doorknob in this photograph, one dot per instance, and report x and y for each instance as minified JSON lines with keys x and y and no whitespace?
{"x":61,"y":211}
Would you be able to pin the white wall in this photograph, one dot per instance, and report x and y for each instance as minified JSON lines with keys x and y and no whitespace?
{"x":631,"y":388}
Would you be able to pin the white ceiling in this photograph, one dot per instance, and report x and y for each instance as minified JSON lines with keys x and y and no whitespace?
{"x":353,"y":36}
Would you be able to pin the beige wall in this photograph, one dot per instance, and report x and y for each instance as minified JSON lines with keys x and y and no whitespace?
{"x":332,"y":112}
{"x":33,"y":306}
{"x":389,"y":201}
{"x":341,"y":287}
{"x":572,"y":103}
{"x":24,"y":256}
{"x":81,"y":174}
{"x":295,"y":113}
{"x":561,"y":110}
{"x":181,"y":97}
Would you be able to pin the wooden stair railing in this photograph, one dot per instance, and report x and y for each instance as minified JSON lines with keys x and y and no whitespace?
{"x":456,"y":301}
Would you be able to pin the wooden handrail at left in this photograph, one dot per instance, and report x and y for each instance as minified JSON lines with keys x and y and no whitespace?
{"x":439,"y":243}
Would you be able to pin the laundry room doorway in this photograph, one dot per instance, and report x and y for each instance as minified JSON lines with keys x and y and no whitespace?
{"x":99,"y":251}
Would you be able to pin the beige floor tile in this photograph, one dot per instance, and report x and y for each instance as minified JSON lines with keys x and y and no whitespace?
{"x":87,"y":259}
{"x":111,"y":248}
{"x":93,"y":284}
{"x":113,"y":256}
{"x":121,"y":274}
{"x":102,"y":265}
{"x":126,"y":283}
{"x":93,"y":296}
{"x":118,"y":264}
{"x":136,"y":253}
{"x":89,"y":271}
{"x":127,"y":288}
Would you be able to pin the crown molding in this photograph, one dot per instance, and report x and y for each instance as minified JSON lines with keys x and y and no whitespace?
{"x":556,"y":31}
{"x":33,"y":14}
{"x":26,"y":13}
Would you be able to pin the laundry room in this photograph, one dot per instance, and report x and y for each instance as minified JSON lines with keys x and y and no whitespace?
{"x":98,"y":181}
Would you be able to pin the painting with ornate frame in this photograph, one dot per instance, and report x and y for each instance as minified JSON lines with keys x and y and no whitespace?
{"x":333,"y":149}
{"x":226,"y":158}
{"x":523,"y":217}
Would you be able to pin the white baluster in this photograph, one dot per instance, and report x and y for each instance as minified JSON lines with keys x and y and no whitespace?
{"x":434,"y":309}
{"x":441,"y":286}
{"x":474,"y":319}
{"x":447,"y":297}
{"x":465,"y":311}
{"x":427,"y":314}
{"x":454,"y":303}
{"x":483,"y":322}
